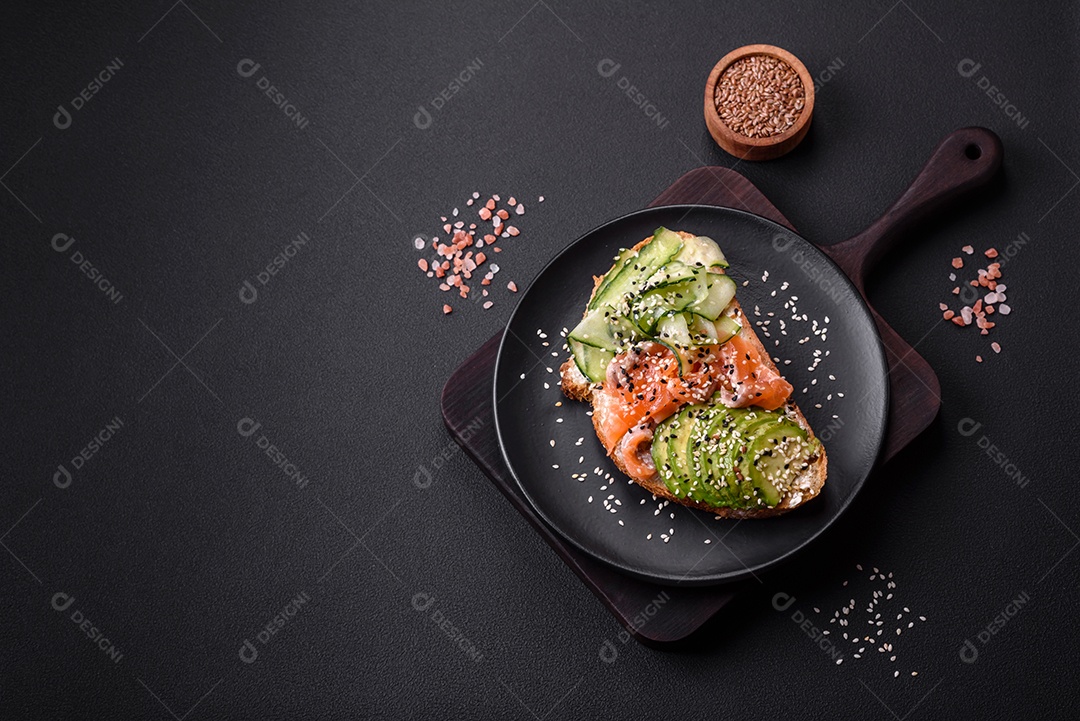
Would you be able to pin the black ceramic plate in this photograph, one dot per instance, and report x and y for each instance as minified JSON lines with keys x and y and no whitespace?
{"x":808,"y":315}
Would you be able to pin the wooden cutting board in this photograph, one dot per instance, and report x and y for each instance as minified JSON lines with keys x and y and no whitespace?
{"x":467,"y":399}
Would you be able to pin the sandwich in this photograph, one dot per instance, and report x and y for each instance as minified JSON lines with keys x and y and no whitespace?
{"x":685,"y":399}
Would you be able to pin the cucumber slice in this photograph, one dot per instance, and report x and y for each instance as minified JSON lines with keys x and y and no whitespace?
{"x":636,"y":269}
{"x":720,"y":293}
{"x":621,"y":261}
{"x":593,"y":362}
{"x":702,"y":252}
{"x":645,"y":319}
{"x":673,"y":298}
{"x":679,"y":353}
{"x":711,"y":332}
{"x":726,"y":328}
{"x":673,"y":330}
{"x":603,"y":328}
{"x":702,"y":331}
{"x":672,"y":273}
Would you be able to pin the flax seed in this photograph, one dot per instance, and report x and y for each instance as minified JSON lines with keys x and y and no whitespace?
{"x":759,"y":96}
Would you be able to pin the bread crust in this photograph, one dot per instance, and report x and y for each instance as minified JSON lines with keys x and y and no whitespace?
{"x":807,"y":485}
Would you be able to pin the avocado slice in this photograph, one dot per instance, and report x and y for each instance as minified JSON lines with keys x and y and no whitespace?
{"x":730,"y":457}
{"x":726,"y":433}
{"x":738,"y":451}
{"x":701,"y":459}
{"x":662,"y":437}
{"x":764,"y":458}
{"x":677,"y":456}
{"x":670,"y":435}
{"x":771,"y":463}
{"x":712,"y":473}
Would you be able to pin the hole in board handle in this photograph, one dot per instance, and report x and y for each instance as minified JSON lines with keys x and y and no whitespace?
{"x":972,"y":152}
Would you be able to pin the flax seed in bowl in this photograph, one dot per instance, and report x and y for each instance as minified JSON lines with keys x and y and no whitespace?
{"x":758,"y":102}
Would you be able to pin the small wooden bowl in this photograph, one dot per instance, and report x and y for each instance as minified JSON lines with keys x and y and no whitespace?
{"x":773,"y":146}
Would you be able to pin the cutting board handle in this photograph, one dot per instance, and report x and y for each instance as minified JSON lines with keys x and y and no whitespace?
{"x":966,"y":159}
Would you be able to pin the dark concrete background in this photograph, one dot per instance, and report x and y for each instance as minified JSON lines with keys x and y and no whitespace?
{"x":179,"y":539}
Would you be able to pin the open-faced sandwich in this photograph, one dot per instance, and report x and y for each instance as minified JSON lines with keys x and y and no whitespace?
{"x":685,"y":399}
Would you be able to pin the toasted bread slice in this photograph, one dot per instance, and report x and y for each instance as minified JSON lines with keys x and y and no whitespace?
{"x":805,"y":487}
